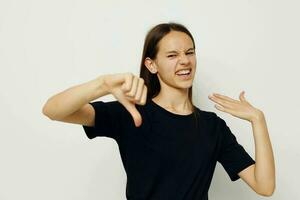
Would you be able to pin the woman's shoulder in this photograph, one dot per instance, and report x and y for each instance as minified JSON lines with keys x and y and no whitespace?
{"x":206,"y":114}
{"x":213,"y":118}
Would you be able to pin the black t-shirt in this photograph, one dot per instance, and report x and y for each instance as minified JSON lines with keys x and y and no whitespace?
{"x":170,"y":156}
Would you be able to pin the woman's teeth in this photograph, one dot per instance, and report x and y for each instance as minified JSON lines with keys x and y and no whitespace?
{"x":184,"y":72}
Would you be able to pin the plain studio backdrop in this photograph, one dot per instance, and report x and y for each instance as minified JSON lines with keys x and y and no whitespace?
{"x":49,"y":46}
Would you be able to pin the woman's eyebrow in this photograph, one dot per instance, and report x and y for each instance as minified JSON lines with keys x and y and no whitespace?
{"x":173,"y":51}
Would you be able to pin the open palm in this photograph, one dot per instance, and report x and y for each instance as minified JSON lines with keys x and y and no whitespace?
{"x":238,"y":108}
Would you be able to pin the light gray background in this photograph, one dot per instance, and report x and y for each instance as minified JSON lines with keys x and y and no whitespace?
{"x":49,"y":46}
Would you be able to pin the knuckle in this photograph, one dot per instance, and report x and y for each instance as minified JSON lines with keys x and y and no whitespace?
{"x":129,"y":94}
{"x":142,"y":80}
{"x":136,"y":98}
{"x":126,"y":89}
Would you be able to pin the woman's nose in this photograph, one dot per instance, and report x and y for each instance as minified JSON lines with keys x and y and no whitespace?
{"x":184,"y":59}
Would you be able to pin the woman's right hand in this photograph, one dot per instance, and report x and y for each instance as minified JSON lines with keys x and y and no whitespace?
{"x":129,"y":90}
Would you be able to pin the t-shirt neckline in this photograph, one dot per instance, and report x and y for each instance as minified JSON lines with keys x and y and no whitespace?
{"x":169,"y":112}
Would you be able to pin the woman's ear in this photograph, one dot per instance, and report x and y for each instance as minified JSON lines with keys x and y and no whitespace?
{"x":150,"y":65}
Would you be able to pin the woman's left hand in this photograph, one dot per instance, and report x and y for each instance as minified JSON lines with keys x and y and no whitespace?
{"x":241,"y":109}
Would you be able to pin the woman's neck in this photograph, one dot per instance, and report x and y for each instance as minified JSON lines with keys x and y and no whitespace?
{"x":178,"y":105}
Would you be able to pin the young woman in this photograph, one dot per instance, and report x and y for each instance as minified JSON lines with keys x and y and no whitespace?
{"x":168,"y":146}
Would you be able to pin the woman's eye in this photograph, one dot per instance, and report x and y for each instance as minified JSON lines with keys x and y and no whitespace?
{"x":175,"y":55}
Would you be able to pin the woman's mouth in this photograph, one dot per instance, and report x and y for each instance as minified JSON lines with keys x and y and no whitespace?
{"x":184,"y":74}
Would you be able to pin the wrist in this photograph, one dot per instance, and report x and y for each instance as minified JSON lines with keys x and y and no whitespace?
{"x":258,"y":116}
{"x":103,"y":86}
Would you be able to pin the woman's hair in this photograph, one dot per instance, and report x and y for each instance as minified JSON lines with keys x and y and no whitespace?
{"x":150,"y":50}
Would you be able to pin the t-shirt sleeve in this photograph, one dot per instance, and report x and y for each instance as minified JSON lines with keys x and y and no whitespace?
{"x":232,"y":156}
{"x":107,"y":120}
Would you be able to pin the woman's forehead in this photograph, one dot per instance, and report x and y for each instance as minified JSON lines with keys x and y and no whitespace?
{"x":175,"y":41}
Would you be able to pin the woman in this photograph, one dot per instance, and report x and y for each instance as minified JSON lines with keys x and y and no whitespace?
{"x":168,"y":146}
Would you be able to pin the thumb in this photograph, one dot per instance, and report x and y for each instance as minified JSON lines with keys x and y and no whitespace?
{"x":242,"y":97}
{"x":137,"y":118}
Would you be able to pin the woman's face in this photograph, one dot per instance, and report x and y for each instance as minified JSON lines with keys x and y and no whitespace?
{"x":175,"y":52}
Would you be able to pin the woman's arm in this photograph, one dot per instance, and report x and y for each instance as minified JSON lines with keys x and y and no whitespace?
{"x":260,"y":176}
{"x":72,"y":99}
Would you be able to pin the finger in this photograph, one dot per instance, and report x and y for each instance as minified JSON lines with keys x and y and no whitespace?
{"x":139,"y":91}
{"x":131,"y":99}
{"x":133,"y":89}
{"x":222,"y":102}
{"x":144,"y":95}
{"x":137,"y":119}
{"x":242,"y":97}
{"x":143,"y":98}
{"x":229,"y":111}
{"x":219,"y":107}
{"x":225,"y":98}
{"x":127,"y":82}
{"x":136,"y":116}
